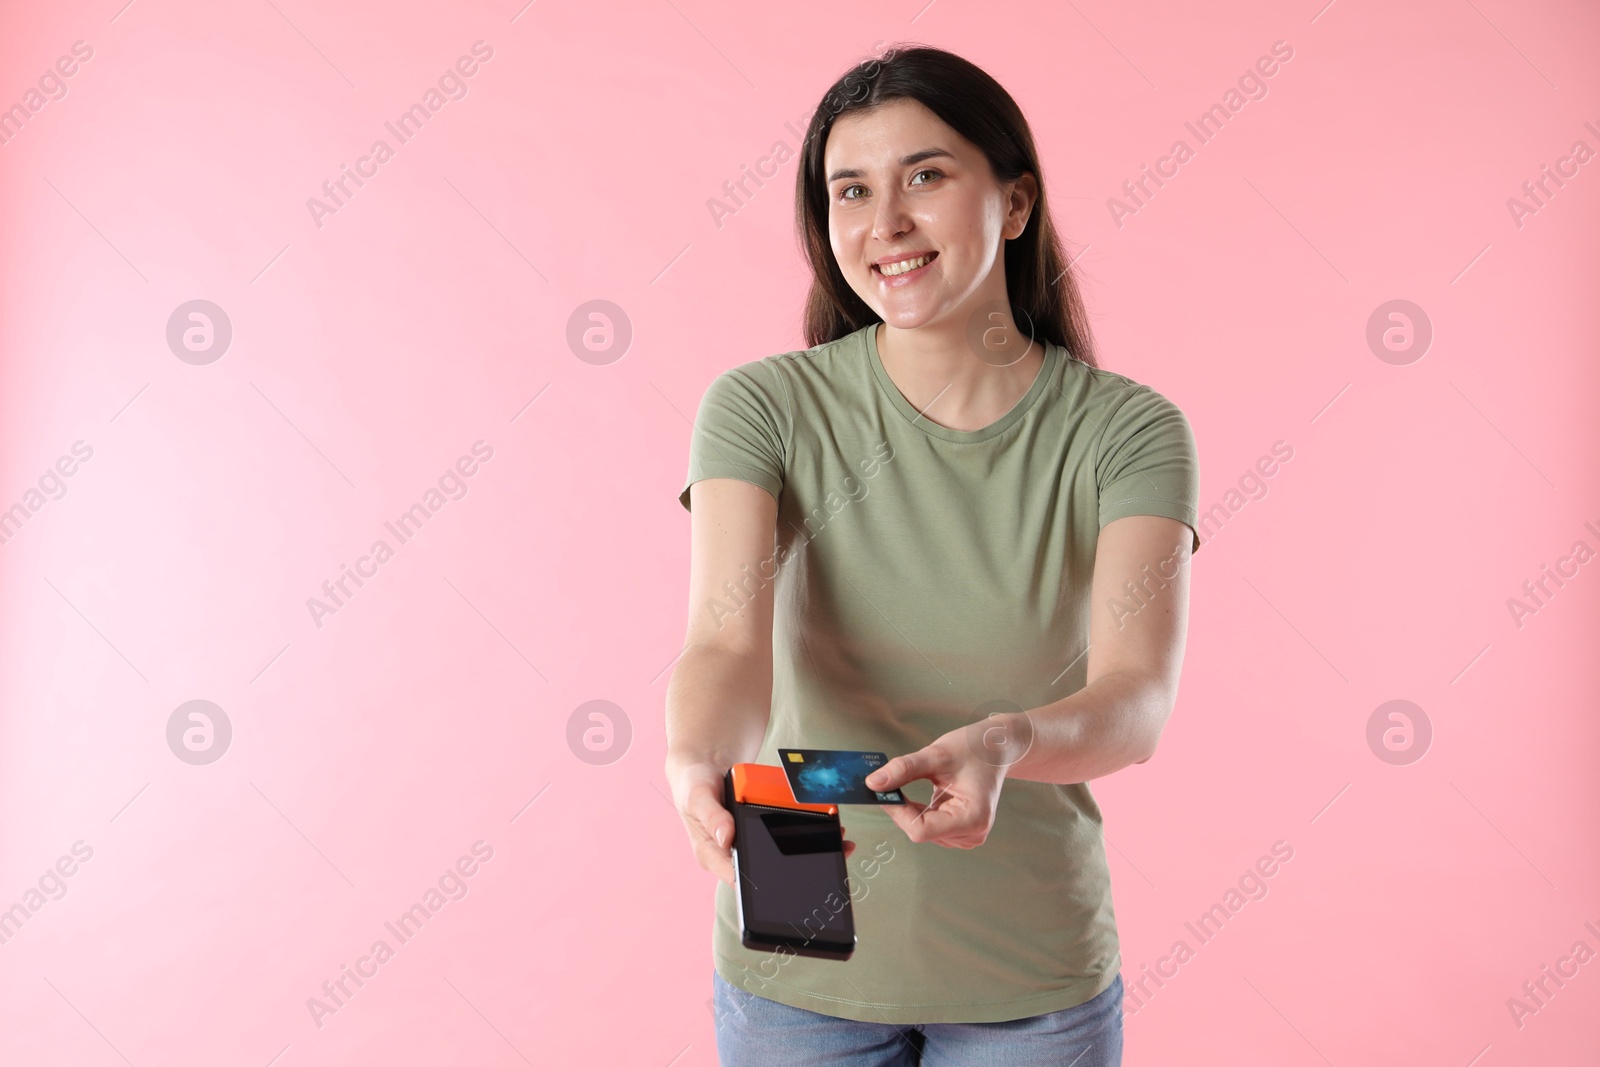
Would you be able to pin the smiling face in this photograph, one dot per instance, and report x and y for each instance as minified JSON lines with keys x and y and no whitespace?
{"x":905,"y":189}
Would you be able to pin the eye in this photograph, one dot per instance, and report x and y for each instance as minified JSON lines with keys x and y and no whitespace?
{"x":844,"y":192}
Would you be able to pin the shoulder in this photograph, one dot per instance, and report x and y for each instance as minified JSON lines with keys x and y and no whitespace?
{"x":803,"y":376}
{"x":1131,"y":420}
{"x":1108,"y":388}
{"x":1117,"y":402}
{"x":832,"y":361}
{"x":770,"y":371}
{"x":751,"y":385}
{"x":762,"y":392}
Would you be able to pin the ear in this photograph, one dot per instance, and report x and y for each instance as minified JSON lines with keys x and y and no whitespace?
{"x":1024,"y":195}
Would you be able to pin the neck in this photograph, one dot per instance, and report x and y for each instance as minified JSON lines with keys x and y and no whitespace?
{"x":950,"y":382}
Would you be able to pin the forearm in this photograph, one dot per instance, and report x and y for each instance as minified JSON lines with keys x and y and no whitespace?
{"x":1102,"y":728}
{"x":718,"y":705}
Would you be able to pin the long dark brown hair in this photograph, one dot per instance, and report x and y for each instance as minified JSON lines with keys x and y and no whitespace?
{"x":1041,"y":288}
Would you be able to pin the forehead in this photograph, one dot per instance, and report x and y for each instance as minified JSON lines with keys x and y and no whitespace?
{"x":883,"y":135}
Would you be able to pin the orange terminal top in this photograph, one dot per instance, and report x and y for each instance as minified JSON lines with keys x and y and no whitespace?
{"x":760,"y":783}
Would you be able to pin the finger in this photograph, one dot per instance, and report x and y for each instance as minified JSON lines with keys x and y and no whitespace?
{"x":907,"y":817}
{"x":898,"y":771}
{"x":712,"y":828}
{"x":717,"y":862}
{"x":705,"y":807}
{"x":943,"y":825}
{"x":707,"y":853}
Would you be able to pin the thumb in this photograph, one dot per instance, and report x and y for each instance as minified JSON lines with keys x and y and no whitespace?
{"x":898,"y":771}
{"x":715,"y":821}
{"x":720,"y":826}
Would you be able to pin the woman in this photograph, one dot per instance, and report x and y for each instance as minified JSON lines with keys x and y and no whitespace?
{"x":944,"y":533}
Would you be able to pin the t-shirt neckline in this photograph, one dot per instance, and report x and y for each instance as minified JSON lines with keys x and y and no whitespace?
{"x":1041,"y":382}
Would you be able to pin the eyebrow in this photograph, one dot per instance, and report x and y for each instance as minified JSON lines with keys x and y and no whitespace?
{"x":905,"y":161}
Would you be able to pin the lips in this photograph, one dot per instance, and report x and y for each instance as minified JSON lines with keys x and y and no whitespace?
{"x":894,"y":260}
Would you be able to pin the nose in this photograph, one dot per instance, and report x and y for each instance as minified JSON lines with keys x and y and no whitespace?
{"x":891,"y":219}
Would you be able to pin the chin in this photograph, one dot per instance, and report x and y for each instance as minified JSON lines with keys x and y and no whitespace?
{"x":909,"y":320}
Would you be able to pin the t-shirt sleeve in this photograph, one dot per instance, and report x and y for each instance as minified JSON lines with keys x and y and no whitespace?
{"x":738,"y":432}
{"x":1147,"y":463}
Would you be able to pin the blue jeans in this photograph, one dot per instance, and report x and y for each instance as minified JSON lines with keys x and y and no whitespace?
{"x":753,"y":1031}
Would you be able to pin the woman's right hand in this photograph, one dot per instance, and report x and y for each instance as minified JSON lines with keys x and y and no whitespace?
{"x":697,"y":793}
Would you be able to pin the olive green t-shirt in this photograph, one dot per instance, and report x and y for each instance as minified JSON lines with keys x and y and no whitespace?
{"x":920,"y":574}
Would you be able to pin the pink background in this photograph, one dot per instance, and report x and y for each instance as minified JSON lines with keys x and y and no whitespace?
{"x":370,"y":353}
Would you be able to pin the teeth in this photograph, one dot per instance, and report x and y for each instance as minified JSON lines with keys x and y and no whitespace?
{"x":891,"y":269}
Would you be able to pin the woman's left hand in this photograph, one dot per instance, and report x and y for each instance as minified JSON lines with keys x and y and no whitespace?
{"x":966,"y":791}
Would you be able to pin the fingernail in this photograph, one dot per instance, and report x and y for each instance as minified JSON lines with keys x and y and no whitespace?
{"x":719,"y":838}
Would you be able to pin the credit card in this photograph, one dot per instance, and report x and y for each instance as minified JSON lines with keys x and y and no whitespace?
{"x":831,"y":776}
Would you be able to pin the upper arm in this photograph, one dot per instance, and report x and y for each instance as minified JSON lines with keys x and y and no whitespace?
{"x":1146,"y":463}
{"x":732,"y":562}
{"x":1140,"y":629}
{"x":1147,"y":479}
{"x":738,"y":456}
{"x":737,"y":459}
